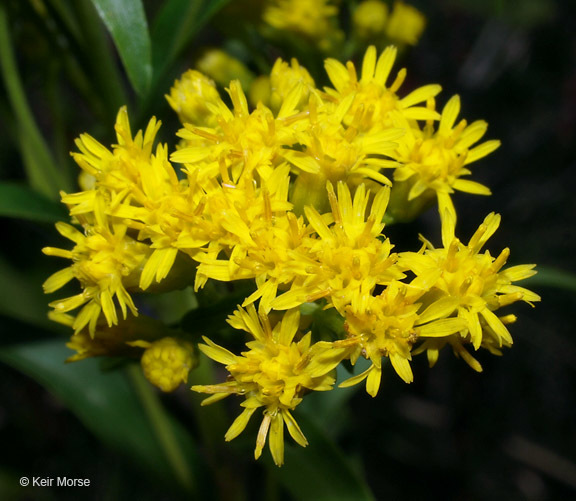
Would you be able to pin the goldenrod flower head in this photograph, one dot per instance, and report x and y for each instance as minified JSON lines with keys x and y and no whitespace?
{"x":160,"y":208}
{"x":167,"y":362}
{"x":261,"y":235}
{"x":335,"y":151}
{"x":376,"y":104}
{"x":311,"y":19}
{"x":434,"y":161}
{"x":189,"y":95}
{"x":284,"y":77}
{"x":370,"y":19}
{"x":348,"y":258}
{"x":223,"y":68}
{"x":406,"y":24}
{"x":275,"y":373}
{"x":471,"y":285}
{"x":388,"y":326}
{"x":113,"y":175}
{"x":243,"y":141}
{"x":135,"y":186}
{"x":106,"y":262}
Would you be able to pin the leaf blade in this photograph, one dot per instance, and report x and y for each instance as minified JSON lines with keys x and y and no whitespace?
{"x":21,"y":202}
{"x":126,"y":22}
{"x":103,"y":401}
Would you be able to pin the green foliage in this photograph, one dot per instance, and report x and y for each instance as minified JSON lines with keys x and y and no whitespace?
{"x":126,"y":21}
{"x":105,"y":403}
{"x":20,"y":202}
{"x":320,"y":472}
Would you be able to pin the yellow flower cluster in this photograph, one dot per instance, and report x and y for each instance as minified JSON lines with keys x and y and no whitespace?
{"x":316,"y":22}
{"x":292,"y":195}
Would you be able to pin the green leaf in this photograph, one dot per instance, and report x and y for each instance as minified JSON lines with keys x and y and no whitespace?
{"x":551,"y":277}
{"x":43,"y":173}
{"x":176,"y":25}
{"x":126,"y":22}
{"x":21,"y":202}
{"x":319,"y":472}
{"x":104,"y":401}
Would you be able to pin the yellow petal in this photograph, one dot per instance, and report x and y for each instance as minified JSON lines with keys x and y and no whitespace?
{"x":276,"y":440}
{"x":441,"y":308}
{"x":293,"y":428}
{"x":520,"y":272}
{"x":368,"y":64}
{"x":402,"y":367}
{"x":449,"y":115}
{"x":262,"y":433}
{"x":355,"y":379}
{"x":217,"y":353}
{"x":373,"y":381}
{"x":420,"y":95}
{"x":497,"y":326}
{"x":473,"y":187}
{"x":58,"y":280}
{"x":442,"y":328}
{"x":239,"y":424}
{"x":481,"y":151}
{"x":384,"y":65}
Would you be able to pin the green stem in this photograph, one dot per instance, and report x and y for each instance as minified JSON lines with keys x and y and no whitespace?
{"x":43,"y":174}
{"x":162,"y":427}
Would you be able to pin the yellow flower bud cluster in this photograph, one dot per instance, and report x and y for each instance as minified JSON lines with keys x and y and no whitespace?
{"x":292,"y":194}
{"x":373,"y":22}
{"x":167,"y":362}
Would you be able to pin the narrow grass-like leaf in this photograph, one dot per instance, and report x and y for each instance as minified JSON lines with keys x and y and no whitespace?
{"x":18,"y":201}
{"x":551,"y":277}
{"x":126,"y":22}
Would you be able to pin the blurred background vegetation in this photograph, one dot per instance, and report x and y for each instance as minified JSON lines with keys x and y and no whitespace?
{"x":508,"y":433}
